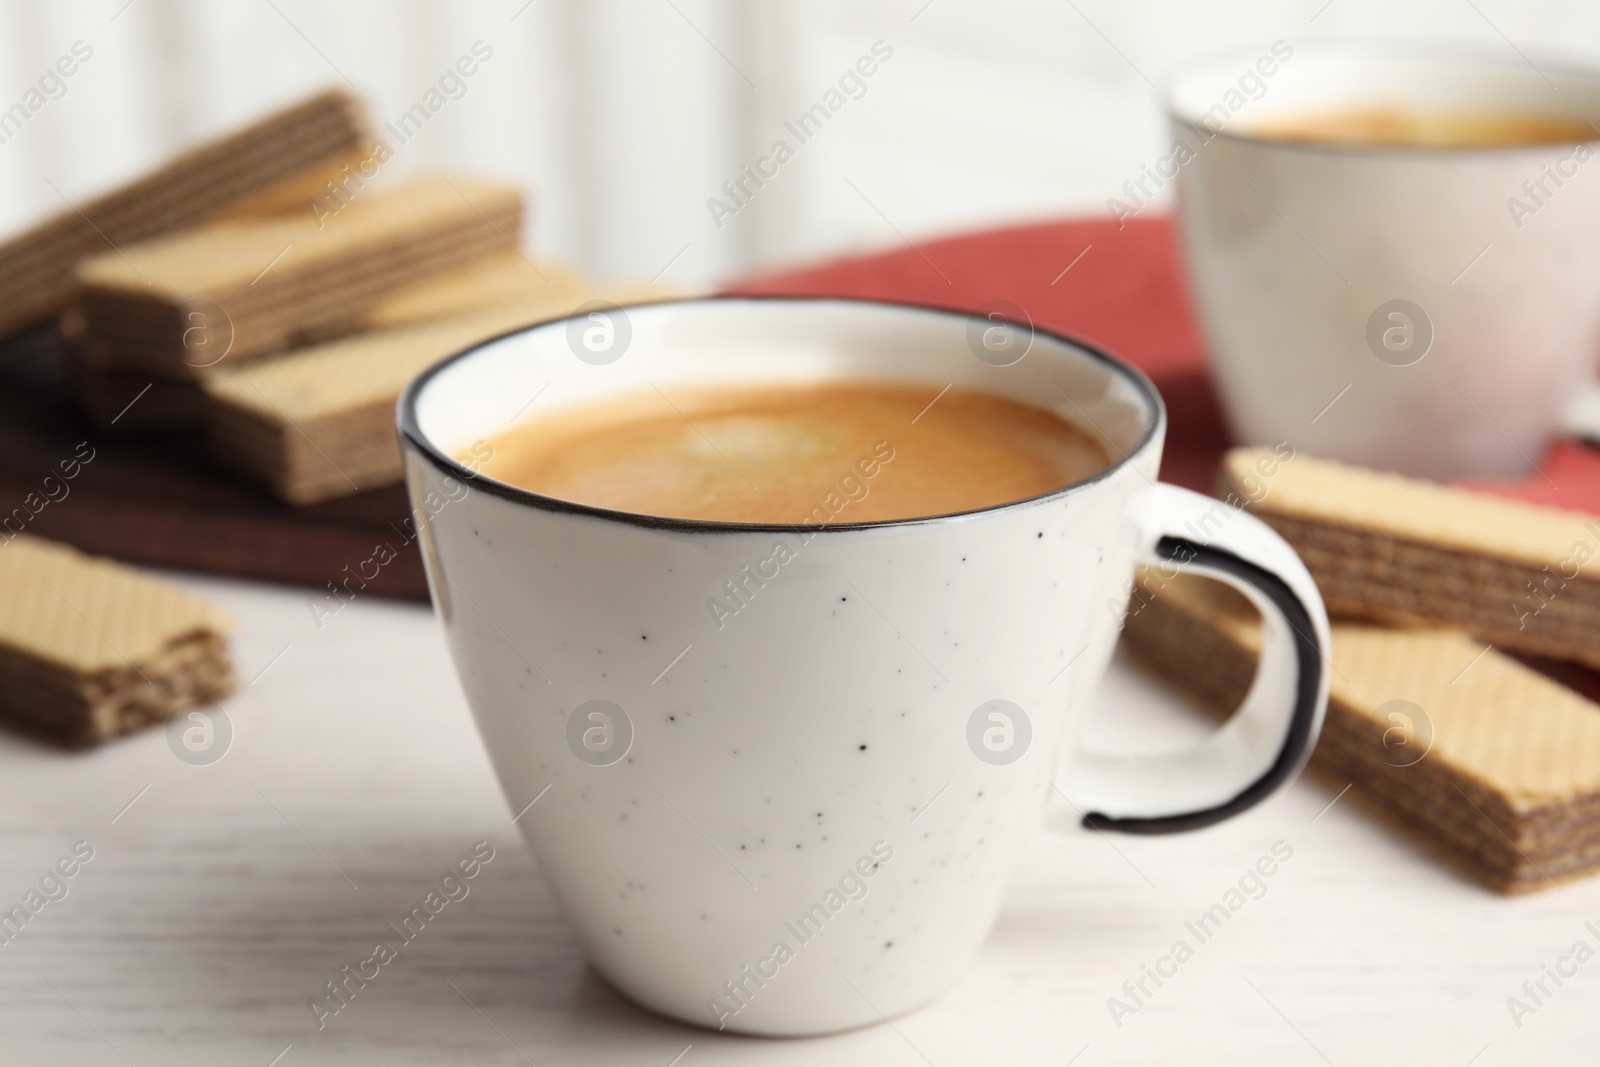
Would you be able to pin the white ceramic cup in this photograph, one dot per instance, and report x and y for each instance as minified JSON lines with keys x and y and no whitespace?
{"x":795,"y":813}
{"x":1432,"y":311}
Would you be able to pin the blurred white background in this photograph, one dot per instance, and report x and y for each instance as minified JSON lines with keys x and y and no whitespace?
{"x":623,"y":117}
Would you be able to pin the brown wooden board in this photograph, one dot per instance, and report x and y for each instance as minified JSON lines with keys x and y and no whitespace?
{"x":158,"y":501}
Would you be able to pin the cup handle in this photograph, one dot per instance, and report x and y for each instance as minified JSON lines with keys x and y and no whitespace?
{"x":1580,"y":417}
{"x":1271,"y":735}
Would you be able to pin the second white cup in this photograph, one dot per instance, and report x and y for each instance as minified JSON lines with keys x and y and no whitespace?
{"x":1434,"y":311}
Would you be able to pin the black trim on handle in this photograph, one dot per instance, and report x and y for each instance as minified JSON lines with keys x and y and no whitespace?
{"x":1296,"y":744}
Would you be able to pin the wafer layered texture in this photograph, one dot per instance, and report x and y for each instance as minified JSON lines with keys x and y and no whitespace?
{"x":507,"y":279}
{"x":192,"y":304}
{"x":1484,"y":759}
{"x":91,"y":649}
{"x":278,"y":164}
{"x":320,"y":423}
{"x":1518,"y":575}
{"x":131,"y":400}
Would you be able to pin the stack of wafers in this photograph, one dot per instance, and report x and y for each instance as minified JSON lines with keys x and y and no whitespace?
{"x":90,"y":649}
{"x":1492,"y":762}
{"x":276,"y":164}
{"x":259,"y":290}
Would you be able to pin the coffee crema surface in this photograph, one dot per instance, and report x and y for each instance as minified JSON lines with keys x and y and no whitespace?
{"x":825,"y":452}
{"x":1401,"y":127}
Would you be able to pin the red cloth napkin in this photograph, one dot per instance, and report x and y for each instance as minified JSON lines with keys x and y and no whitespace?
{"x":1122,"y":288}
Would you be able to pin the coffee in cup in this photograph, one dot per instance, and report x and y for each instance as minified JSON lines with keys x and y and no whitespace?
{"x":774,"y":453}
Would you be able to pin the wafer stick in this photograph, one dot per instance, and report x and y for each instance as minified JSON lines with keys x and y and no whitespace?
{"x":1484,"y":759}
{"x":231,"y":291}
{"x":90,"y":649}
{"x":508,"y":279}
{"x":274,"y":164}
{"x":1518,"y":575}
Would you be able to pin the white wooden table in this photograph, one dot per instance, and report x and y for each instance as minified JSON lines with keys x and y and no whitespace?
{"x":222,"y":897}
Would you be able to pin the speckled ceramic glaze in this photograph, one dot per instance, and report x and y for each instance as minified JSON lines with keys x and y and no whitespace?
{"x":778,"y":775}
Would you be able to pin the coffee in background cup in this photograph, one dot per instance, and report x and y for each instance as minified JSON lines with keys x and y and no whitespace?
{"x":763,"y":453}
